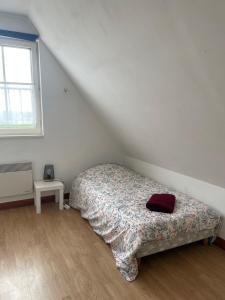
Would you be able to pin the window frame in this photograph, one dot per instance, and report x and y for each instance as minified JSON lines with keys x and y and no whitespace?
{"x":36,"y":81}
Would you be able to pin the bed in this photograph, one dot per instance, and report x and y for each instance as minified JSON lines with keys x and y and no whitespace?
{"x":113,"y":198}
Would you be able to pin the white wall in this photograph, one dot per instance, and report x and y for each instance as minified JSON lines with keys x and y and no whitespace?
{"x":154,"y":69}
{"x":211,"y":194}
{"x":74,"y":137}
{"x":15,"y":6}
{"x":16,"y":23}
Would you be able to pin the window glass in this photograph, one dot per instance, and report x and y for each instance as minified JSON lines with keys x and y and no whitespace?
{"x":21,"y":110}
{"x":3,"y":116}
{"x":20,"y":101}
{"x":17,"y":64}
{"x":1,"y":66}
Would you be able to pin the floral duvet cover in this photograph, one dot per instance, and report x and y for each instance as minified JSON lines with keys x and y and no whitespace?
{"x":112,"y":198}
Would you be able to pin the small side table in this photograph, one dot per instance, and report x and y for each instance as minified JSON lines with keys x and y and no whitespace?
{"x":44,"y":186}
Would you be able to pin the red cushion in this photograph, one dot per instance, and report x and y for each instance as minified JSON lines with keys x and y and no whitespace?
{"x":162,"y":203}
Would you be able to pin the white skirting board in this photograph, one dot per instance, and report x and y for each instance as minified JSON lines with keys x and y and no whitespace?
{"x":208,"y":193}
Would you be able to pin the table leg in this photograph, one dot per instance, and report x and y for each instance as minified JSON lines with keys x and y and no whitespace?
{"x":61,"y":199}
{"x":38,"y":202}
{"x":56,"y":196}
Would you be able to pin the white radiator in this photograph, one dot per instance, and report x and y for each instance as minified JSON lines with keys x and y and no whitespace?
{"x":16,"y":179}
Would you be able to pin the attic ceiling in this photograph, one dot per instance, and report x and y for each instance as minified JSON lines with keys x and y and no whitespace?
{"x":153,"y":69}
{"x":15,"y":6}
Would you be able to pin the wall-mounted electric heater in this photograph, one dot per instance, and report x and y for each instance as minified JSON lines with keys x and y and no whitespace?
{"x":16,"y":179}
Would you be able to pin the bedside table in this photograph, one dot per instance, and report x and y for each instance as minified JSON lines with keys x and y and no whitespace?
{"x":44,"y":186}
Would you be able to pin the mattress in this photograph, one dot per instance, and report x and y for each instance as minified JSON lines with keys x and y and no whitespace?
{"x":113,"y":198}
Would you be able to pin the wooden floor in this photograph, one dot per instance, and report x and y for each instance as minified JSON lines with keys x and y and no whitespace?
{"x":56,"y":255}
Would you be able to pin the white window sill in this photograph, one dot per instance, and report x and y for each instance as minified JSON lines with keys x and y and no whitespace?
{"x":30,"y":135}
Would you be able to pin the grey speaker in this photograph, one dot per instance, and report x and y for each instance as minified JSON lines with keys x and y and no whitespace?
{"x":49,"y":174}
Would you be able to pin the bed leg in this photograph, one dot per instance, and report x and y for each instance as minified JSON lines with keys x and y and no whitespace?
{"x":205,"y":242}
{"x":211,"y":240}
{"x":139,"y":262}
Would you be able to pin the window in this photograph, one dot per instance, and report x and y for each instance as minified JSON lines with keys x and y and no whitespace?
{"x":20,"y":99}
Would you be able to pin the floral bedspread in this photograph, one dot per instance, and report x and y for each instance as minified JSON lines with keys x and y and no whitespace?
{"x":113,"y":200}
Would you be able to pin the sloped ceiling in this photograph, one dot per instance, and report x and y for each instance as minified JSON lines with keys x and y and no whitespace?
{"x":15,"y":6}
{"x":153,"y":69}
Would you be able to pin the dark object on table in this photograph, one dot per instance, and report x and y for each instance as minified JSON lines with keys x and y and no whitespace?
{"x":49,"y":173}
